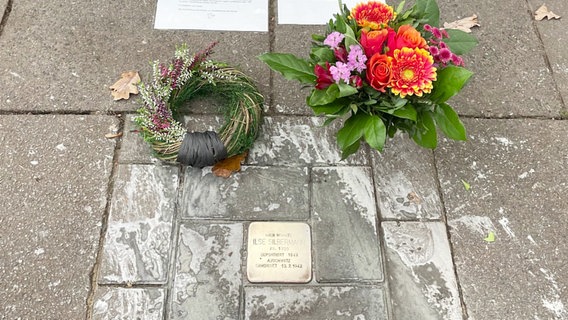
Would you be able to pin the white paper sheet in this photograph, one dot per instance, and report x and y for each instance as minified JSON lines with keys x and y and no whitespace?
{"x":232,"y":15}
{"x":310,"y":11}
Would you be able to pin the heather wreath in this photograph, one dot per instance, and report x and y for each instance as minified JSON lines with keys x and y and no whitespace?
{"x":382,"y":70}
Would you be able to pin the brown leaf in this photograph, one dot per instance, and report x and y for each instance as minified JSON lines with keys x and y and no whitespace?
{"x":111,"y":135}
{"x":226,"y":167}
{"x":543,"y":12}
{"x":125,"y":85}
{"x":464,"y":24}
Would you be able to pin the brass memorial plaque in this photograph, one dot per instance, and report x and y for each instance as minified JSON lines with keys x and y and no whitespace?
{"x":279,"y":252}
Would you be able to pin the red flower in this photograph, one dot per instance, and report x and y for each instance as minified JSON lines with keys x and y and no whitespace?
{"x":324,"y":78}
{"x":372,"y":15}
{"x":340,"y":54}
{"x":379,"y":71}
{"x":373,"y":41}
{"x":408,"y":37}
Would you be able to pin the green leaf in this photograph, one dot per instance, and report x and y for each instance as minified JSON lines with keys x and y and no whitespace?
{"x":406,"y":112}
{"x":346,"y":90}
{"x":400,"y":7}
{"x":425,"y":134}
{"x":353,"y":130}
{"x":318,"y":37}
{"x":322,"y":54}
{"x":427,"y":11}
{"x":350,"y":38}
{"x":375,"y":132}
{"x":334,"y":107}
{"x":466,"y":185}
{"x":340,"y":25}
{"x":322,"y":97}
{"x":350,"y":150}
{"x":460,"y":42}
{"x":291,"y":67}
{"x":450,"y":81}
{"x":449,"y":122}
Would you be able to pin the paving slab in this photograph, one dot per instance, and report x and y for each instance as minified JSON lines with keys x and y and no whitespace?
{"x":255,"y":193}
{"x":3,"y":7}
{"x":516,"y":172}
{"x":54,"y":176}
{"x":129,"y":303}
{"x":554,"y":34}
{"x":405,"y":181}
{"x":315,"y":303}
{"x":138,"y":240}
{"x":346,"y":245}
{"x":511,"y":77}
{"x":420,"y":271}
{"x":208,"y":279}
{"x":300,"y":141}
{"x":71,"y":60}
{"x":133,"y":148}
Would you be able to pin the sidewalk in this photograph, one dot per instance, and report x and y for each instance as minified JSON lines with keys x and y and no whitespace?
{"x":96,"y":228}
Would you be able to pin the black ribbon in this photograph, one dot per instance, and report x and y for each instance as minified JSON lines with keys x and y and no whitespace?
{"x":201,"y":149}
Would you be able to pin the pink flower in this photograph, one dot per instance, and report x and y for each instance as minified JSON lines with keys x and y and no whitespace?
{"x":340,"y":71}
{"x":356,"y":59}
{"x":334,"y":39}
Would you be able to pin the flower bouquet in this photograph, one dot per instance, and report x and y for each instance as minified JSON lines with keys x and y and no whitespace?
{"x":383,"y":70}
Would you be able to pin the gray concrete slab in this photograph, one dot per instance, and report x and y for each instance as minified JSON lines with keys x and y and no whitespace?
{"x":338,"y":303}
{"x":405,"y":181}
{"x":3,"y":7}
{"x":345,"y":232}
{"x":516,"y":172}
{"x":129,"y":303}
{"x":420,"y":271}
{"x":138,"y":240}
{"x":54,"y":176}
{"x":554,"y":35}
{"x":511,"y":75}
{"x":256,"y":193}
{"x":133,"y":148}
{"x":208,"y":279}
{"x":300,"y":141}
{"x":72,"y":59}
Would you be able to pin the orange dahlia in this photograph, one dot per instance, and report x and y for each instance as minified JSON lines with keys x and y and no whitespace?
{"x":412,"y":72}
{"x":373,"y":15}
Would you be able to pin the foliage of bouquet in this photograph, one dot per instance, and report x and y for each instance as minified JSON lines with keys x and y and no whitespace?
{"x":384,"y":70}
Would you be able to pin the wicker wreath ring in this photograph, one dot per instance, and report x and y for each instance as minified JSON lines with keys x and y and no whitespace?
{"x":189,"y":76}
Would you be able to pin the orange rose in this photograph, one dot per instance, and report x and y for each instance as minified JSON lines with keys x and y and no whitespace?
{"x":379,"y":71}
{"x":373,"y":41}
{"x":408,"y":37}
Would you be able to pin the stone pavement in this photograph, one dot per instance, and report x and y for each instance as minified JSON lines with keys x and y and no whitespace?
{"x":92,"y":228}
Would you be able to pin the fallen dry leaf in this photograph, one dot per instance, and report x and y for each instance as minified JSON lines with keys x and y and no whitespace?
{"x":113,"y":135}
{"x":464,"y":24}
{"x":226,"y":167}
{"x":543,"y":12}
{"x":125,"y":85}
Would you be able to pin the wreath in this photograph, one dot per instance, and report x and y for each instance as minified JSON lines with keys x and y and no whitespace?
{"x":187,"y":77}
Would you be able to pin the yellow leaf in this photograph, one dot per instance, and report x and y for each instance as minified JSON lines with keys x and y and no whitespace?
{"x":490,"y":237}
{"x":543,"y":12}
{"x":226,"y":167}
{"x":464,"y":24}
{"x":466,"y":185}
{"x":125,"y":85}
